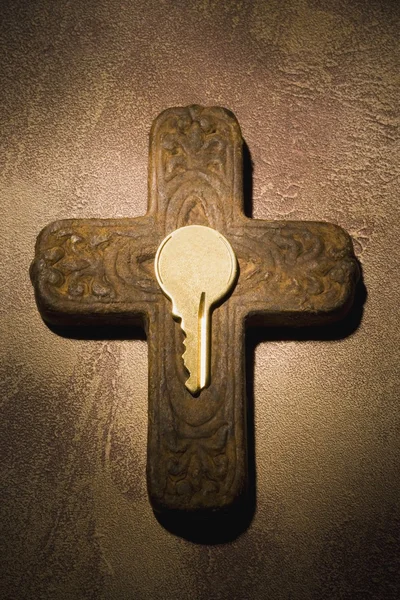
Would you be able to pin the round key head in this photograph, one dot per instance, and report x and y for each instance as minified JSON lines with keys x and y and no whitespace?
{"x":193,"y":261}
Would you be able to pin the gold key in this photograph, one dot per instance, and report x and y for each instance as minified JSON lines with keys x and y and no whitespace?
{"x":196,"y":268}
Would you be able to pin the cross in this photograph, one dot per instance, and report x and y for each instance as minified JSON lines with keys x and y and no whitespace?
{"x":89,"y":272}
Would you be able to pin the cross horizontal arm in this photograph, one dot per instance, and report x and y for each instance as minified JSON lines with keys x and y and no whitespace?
{"x":95,"y":270}
{"x":294,"y":272}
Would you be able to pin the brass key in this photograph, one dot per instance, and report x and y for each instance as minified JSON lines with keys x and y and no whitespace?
{"x":195,"y":267}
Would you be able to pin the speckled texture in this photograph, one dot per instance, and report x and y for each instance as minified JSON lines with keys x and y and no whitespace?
{"x":315,"y":87}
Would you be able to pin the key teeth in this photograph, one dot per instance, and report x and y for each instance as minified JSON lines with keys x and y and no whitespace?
{"x":191,"y":385}
{"x":185,"y":352}
{"x":177,"y":315}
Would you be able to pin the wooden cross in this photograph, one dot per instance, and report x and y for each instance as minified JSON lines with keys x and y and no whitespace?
{"x":89,"y":272}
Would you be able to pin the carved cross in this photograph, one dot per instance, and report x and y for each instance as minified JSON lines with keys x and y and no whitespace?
{"x":88,"y":272}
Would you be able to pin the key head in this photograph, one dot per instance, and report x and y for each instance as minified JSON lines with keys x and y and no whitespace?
{"x":194,"y":261}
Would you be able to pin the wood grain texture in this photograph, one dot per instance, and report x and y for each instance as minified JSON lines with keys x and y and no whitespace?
{"x":290,"y":273}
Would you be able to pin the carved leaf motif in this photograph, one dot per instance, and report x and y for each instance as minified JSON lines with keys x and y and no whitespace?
{"x":91,"y":267}
{"x":294,"y":263}
{"x":192,"y":143}
{"x":200,"y":462}
{"x":75,"y":265}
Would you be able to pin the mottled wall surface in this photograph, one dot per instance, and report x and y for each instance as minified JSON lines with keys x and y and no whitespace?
{"x":315,"y":86}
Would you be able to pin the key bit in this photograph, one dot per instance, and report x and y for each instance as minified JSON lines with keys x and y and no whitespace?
{"x":196,"y":268}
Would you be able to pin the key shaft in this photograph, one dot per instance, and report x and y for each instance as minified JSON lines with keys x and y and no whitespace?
{"x":197,"y":354}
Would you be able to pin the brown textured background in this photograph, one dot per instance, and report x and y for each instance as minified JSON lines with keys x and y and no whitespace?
{"x":315,"y":86}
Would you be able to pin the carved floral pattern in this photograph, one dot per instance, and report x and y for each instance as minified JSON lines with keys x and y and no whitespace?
{"x":95,"y":264}
{"x":192,"y":142}
{"x":294,"y":263}
{"x":76,"y":265}
{"x":197,"y":464}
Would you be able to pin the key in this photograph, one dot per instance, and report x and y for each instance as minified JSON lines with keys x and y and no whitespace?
{"x":196,"y":268}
